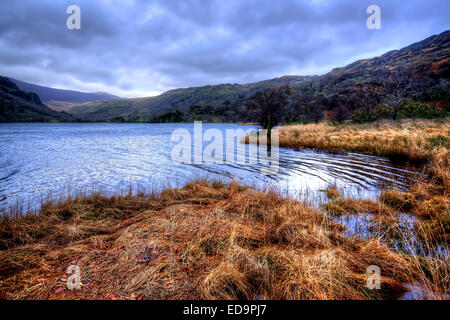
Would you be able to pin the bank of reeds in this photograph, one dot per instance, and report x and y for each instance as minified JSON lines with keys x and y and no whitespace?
{"x":408,"y":141}
{"x":414,"y":141}
{"x":204,"y":241}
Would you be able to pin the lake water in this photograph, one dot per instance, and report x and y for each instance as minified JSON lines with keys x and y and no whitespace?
{"x":38,"y":158}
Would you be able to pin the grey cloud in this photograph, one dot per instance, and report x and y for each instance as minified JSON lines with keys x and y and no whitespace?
{"x":141,"y":46}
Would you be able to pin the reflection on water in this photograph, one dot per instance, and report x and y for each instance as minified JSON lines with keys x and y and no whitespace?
{"x":418,"y":292}
{"x":36,"y":158}
{"x":397,"y":232}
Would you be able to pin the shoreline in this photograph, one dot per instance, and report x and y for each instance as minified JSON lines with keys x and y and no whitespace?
{"x":204,"y":241}
{"x":210,"y":240}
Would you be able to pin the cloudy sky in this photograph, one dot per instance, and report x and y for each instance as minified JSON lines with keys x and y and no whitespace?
{"x":135,"y":48}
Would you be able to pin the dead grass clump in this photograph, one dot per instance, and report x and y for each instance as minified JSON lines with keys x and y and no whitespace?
{"x":340,"y":207}
{"x":214,"y":241}
{"x":398,"y":200}
{"x":332,"y":192}
{"x":295,"y":233}
{"x":226,"y":283}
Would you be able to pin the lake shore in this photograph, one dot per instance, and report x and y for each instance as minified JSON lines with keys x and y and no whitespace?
{"x":210,"y":240}
{"x":204,"y":241}
{"x":416,"y":141}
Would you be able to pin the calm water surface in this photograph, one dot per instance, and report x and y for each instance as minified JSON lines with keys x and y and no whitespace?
{"x":38,"y":158}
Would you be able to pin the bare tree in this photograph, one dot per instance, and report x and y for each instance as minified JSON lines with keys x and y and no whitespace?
{"x":397,"y":88}
{"x":366,"y":99}
{"x":342,"y":113}
{"x":271,"y":104}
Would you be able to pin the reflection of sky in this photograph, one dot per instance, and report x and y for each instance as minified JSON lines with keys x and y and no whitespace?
{"x":38,"y":158}
{"x":367,"y":226}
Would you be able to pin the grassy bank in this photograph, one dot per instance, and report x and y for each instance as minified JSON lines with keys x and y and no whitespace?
{"x":215,"y":241}
{"x":407,"y":140}
{"x":416,"y":141}
{"x":204,"y":241}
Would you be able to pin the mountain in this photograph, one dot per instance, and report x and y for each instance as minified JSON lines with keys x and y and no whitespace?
{"x":20,"y":106}
{"x":430,"y":57}
{"x":59,"y":98}
{"x":179,"y":99}
{"x":227,"y":102}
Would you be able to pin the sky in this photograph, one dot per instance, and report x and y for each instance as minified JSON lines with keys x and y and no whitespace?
{"x":137,"y":48}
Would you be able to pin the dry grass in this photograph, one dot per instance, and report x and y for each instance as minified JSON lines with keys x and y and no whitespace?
{"x":204,"y":241}
{"x":215,"y":241}
{"x":342,"y":206}
{"x":412,"y":140}
{"x":417,"y":141}
{"x":332,"y":192}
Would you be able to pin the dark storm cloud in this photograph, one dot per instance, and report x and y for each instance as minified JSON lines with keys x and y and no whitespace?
{"x":136,"y":48}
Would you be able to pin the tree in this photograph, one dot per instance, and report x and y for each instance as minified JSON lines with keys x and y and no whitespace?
{"x":366,"y":99}
{"x":397,"y":88}
{"x":342,"y":113}
{"x":308,"y":107}
{"x":271,"y":104}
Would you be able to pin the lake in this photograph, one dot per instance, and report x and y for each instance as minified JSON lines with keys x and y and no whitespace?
{"x":38,"y":158}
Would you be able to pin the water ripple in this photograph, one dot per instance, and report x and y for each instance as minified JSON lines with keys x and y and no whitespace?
{"x":38,"y":158}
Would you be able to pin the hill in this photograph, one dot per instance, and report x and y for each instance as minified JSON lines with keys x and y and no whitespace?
{"x":228,"y":102}
{"x":61,"y":99}
{"x":20,"y":106}
{"x":210,"y":96}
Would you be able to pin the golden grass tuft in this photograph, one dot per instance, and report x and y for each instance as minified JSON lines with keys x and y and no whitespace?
{"x":203,"y":241}
{"x":332,"y":192}
{"x":415,"y":141}
{"x":342,"y":206}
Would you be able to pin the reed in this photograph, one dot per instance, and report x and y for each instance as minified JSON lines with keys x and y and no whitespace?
{"x":414,"y":141}
{"x":203,"y":241}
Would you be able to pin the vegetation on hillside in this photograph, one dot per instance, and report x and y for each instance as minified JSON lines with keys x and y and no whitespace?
{"x":19,"y":106}
{"x":411,"y":82}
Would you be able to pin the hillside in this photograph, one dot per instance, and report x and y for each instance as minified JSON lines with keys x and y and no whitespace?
{"x":430,"y":57}
{"x":20,"y":106}
{"x":178,"y":99}
{"x":227,"y":102}
{"x":61,"y":99}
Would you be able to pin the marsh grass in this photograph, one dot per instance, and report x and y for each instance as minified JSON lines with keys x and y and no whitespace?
{"x":414,"y":141}
{"x":210,"y":240}
{"x":204,"y":241}
{"x":407,"y":140}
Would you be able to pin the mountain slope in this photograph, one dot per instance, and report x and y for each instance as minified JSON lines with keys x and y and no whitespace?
{"x":20,"y":106}
{"x":55,"y":96}
{"x":430,"y":57}
{"x":178,"y":99}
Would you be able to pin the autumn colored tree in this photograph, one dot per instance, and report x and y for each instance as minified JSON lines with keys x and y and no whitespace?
{"x":308,"y":107}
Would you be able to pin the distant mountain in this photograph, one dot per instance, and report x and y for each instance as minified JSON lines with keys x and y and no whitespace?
{"x":60,"y":97}
{"x":430,"y":57}
{"x":179,"y":99}
{"x":20,"y":106}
